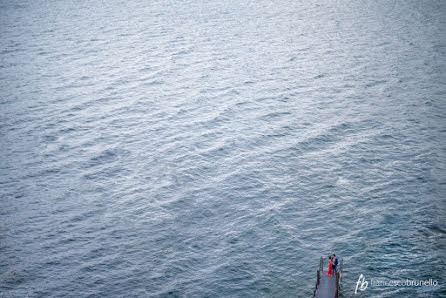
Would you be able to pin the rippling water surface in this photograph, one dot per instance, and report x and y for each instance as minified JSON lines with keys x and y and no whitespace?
{"x":219,"y":148}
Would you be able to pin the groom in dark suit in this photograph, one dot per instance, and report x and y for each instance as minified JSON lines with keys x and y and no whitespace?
{"x":335,"y":264}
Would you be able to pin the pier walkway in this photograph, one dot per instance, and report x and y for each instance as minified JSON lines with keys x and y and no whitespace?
{"x":327,"y":286}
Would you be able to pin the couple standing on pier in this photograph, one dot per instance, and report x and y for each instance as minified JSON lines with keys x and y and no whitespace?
{"x":332,"y":264}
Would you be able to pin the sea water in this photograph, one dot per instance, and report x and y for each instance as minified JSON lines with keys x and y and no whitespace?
{"x":220,"y":148}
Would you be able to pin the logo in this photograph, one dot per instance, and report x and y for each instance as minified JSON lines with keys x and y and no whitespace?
{"x":361,"y":283}
{"x":426,"y":284}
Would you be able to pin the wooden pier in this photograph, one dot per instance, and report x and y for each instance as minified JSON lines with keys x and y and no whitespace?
{"x":327,"y":286}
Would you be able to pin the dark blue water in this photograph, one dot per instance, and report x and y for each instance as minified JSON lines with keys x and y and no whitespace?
{"x":219,"y":148}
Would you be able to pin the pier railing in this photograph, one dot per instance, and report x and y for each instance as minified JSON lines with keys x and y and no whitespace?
{"x":338,"y":277}
{"x":319,"y":272}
